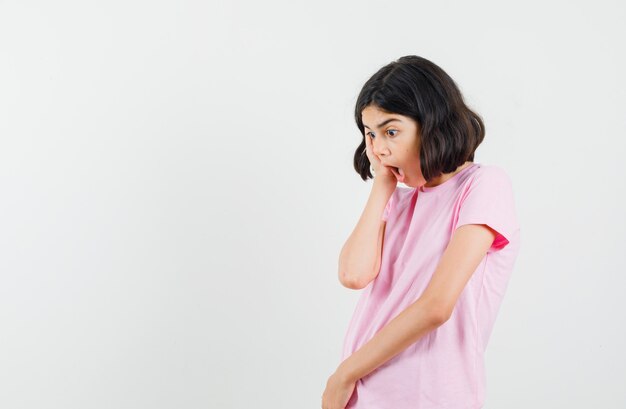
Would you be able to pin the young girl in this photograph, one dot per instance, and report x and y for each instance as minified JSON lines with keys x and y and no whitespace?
{"x":433,"y":258}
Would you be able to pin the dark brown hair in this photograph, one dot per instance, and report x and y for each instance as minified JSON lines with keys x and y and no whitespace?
{"x":417,"y":88}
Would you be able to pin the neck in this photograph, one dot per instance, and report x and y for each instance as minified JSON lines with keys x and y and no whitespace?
{"x":445,"y":176}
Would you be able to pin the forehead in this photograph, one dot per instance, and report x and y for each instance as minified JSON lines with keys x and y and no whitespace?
{"x":373,"y":117}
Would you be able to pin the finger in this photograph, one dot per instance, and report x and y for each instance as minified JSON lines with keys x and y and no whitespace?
{"x":370,"y":149}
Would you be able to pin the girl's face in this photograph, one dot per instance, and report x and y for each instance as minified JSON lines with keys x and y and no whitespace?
{"x":395,"y":141}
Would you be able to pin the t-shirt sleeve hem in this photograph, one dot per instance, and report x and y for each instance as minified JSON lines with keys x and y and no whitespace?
{"x":504,"y":234}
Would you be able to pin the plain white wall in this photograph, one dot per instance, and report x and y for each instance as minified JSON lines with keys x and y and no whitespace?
{"x":176,"y":184}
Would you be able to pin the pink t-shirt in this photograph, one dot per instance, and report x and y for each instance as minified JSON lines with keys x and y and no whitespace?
{"x":445,"y":368}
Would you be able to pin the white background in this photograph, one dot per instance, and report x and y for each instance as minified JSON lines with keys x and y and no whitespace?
{"x":176,"y":184}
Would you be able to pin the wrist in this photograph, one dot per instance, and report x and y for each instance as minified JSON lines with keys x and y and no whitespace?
{"x":344,"y":373}
{"x":385,"y":182}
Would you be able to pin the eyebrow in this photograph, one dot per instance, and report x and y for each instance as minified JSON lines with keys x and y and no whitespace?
{"x":383,"y":123}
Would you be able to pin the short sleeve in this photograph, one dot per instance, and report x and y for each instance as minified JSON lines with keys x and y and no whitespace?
{"x":489,"y":199}
{"x":388,"y":207}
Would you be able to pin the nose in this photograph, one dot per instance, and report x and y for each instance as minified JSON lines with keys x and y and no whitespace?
{"x":379,"y":147}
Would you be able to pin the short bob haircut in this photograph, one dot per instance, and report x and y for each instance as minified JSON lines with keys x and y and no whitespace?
{"x":414,"y":87}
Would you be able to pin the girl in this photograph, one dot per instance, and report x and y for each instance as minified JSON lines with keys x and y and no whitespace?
{"x":433,"y":258}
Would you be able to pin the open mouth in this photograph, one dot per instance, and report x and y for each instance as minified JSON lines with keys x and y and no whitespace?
{"x":398,"y":173}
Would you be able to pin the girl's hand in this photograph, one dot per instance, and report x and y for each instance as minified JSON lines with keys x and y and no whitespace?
{"x":338,"y":392}
{"x":380,"y":170}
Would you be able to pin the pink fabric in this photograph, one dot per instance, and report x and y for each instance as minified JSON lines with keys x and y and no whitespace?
{"x":445,"y":368}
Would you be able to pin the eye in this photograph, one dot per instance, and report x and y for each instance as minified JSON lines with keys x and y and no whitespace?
{"x":389,"y":130}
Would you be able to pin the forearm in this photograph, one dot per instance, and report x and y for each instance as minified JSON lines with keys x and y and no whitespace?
{"x":402,"y":331}
{"x":361,"y":252}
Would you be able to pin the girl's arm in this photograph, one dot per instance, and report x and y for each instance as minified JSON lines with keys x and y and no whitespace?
{"x":360,"y":257}
{"x":466,"y":249}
